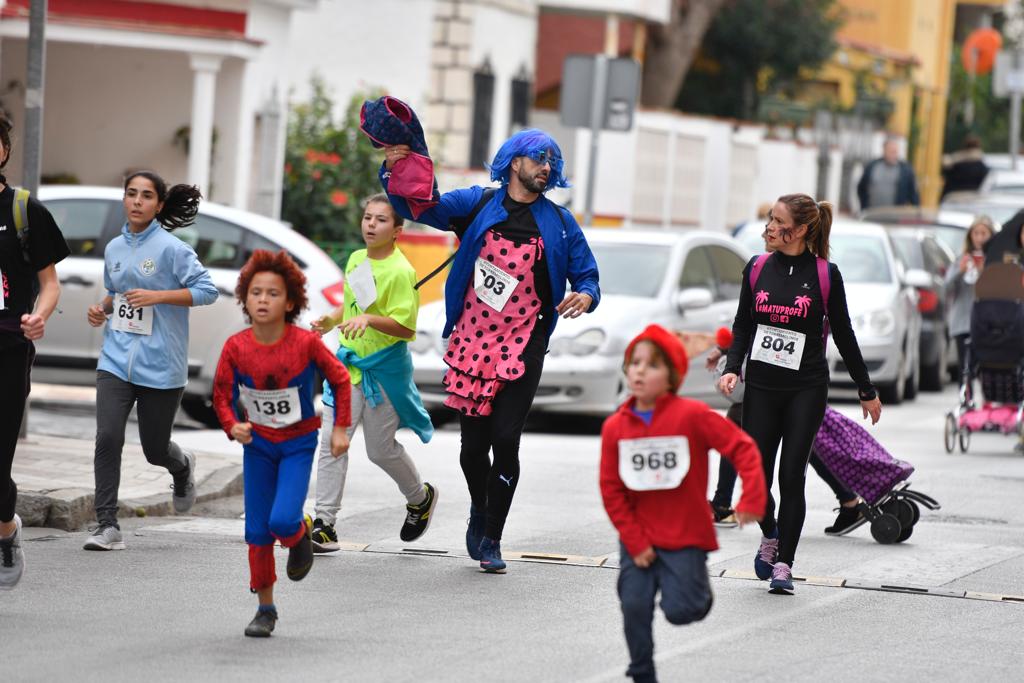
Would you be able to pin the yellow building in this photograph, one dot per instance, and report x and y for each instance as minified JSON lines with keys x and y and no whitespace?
{"x":922,"y":29}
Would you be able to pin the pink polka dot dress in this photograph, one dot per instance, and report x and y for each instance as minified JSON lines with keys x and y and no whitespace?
{"x":486,"y":348}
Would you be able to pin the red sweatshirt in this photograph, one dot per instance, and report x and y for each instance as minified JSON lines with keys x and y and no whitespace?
{"x":679,"y":517}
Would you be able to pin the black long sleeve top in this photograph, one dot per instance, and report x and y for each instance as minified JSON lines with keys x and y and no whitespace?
{"x":785,"y":304}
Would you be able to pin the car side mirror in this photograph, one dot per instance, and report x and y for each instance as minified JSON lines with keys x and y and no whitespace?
{"x":692,"y":298}
{"x":917,"y":278}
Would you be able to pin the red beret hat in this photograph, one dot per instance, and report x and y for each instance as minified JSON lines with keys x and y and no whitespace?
{"x":669,"y":344}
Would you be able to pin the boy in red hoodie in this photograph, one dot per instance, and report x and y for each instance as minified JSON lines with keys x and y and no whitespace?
{"x":654,"y":481}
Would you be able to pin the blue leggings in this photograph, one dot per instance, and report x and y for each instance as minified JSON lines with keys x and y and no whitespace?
{"x":276,"y":479}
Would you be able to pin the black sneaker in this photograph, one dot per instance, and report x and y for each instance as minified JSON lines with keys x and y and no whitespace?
{"x":262,"y":625}
{"x":325,"y":539}
{"x":847,"y":520}
{"x":417,"y":517}
{"x":300,"y":555}
{"x":725,"y":517}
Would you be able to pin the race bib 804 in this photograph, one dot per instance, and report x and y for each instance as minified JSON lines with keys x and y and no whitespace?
{"x":654,"y":463}
{"x":778,"y":346}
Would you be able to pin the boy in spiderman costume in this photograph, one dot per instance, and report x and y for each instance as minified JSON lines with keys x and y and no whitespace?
{"x":263,"y":395}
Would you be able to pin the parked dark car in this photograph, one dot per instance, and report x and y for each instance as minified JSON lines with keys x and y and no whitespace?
{"x":921,"y":250}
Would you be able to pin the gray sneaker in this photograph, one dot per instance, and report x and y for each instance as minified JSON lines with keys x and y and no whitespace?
{"x":105,"y":538}
{"x":12,"y":558}
{"x":185,"y":487}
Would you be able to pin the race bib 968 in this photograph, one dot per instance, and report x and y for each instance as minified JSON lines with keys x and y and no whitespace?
{"x":654,"y":463}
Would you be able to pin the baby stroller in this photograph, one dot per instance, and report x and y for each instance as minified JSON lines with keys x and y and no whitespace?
{"x":995,"y":355}
{"x":880,"y":480}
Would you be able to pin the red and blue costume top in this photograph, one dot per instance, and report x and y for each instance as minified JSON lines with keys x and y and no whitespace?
{"x":289,"y":362}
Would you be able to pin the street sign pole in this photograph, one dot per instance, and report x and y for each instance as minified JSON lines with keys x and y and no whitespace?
{"x":33,"y":137}
{"x":597,"y":109}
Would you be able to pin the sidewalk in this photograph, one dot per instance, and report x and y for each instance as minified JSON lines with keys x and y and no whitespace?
{"x":55,"y":474}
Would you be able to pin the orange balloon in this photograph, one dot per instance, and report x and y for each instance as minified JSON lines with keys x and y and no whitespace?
{"x":981,"y":48}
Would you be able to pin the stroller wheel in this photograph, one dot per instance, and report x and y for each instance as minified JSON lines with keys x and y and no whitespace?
{"x":949,"y":433}
{"x":901,"y":509}
{"x":965,"y":440}
{"x":905,"y":534}
{"x":886,"y":528}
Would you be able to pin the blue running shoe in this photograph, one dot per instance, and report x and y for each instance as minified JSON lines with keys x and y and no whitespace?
{"x":475,"y":532}
{"x":764,"y":560}
{"x":782,"y":579}
{"x":490,"y":557}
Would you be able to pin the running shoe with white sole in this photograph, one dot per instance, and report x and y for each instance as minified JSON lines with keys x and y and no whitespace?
{"x":325,"y":538}
{"x":105,"y":537}
{"x":782,"y":579}
{"x":417,"y":517}
{"x":12,"y":558}
{"x":184,"y":486}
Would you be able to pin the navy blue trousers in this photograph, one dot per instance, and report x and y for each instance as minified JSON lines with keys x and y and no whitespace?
{"x":682,"y":578}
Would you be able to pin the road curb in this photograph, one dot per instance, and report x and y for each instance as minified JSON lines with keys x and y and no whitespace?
{"x":70,"y":509}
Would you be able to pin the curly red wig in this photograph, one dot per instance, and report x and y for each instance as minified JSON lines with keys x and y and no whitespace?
{"x":263,"y":261}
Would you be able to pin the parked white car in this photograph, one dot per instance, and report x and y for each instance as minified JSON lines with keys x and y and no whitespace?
{"x":882,"y":302}
{"x":681,"y":280}
{"x":223,"y":238}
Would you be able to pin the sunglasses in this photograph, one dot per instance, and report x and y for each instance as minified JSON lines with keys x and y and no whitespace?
{"x":545,"y":157}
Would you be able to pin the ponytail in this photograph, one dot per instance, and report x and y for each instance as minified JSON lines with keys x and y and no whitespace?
{"x":180,"y":207}
{"x":818,"y":234}
{"x":181,"y":202}
{"x":5,"y":141}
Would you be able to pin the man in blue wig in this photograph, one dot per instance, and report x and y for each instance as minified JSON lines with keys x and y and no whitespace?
{"x":504,"y":294}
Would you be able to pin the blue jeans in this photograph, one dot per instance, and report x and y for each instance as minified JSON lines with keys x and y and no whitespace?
{"x":276,"y":477}
{"x":682,"y":578}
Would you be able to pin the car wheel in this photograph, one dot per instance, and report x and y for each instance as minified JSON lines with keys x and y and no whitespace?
{"x":912,"y":383}
{"x":200,"y":409}
{"x":932,"y":375}
{"x":892,"y":394}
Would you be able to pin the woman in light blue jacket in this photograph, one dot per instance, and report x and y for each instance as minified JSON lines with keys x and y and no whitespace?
{"x":152,"y":278}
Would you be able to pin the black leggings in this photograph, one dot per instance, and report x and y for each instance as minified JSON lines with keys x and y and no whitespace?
{"x":15,"y":370}
{"x":792,"y":417}
{"x":491,"y":486}
{"x":727,"y":473}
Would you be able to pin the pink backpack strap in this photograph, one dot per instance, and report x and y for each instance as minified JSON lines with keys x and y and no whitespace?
{"x":825,"y":284}
{"x":755,"y":270}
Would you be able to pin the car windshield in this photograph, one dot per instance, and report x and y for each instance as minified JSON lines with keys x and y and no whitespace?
{"x":909,"y":249}
{"x":620,"y":265}
{"x":1000,"y":213}
{"x":861,"y":258}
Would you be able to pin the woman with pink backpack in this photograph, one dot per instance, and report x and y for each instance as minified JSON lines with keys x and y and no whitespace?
{"x":789,"y":300}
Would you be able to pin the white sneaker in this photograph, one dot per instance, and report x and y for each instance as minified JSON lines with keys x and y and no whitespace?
{"x":105,"y":538}
{"x":12,"y":558}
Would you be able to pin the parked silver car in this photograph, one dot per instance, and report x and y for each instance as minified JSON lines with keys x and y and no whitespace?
{"x":681,"y":280}
{"x":223,"y":238}
{"x":882,"y":301}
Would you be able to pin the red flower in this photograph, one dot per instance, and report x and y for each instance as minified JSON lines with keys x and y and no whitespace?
{"x":339,"y":198}
{"x":312,"y":156}
{"x":288,"y":168}
{"x":333,"y":158}
{"x":316,"y":175}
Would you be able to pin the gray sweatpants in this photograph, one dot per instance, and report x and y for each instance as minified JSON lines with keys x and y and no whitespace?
{"x":156,"y":409}
{"x":379,"y":427}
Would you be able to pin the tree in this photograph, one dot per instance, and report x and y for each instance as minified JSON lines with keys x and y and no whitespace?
{"x":329,"y":168}
{"x":757,"y":48}
{"x":671,"y":48}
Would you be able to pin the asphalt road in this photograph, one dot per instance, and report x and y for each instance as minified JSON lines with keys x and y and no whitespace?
{"x":173,"y":606}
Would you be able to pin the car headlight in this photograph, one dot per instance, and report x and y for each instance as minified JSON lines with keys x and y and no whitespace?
{"x":879,"y":323}
{"x":582,"y":344}
{"x":422,"y":342}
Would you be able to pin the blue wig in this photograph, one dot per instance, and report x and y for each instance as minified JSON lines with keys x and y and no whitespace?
{"x":531,"y":142}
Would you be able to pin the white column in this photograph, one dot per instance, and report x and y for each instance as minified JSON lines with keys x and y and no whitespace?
{"x":204,"y":87}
